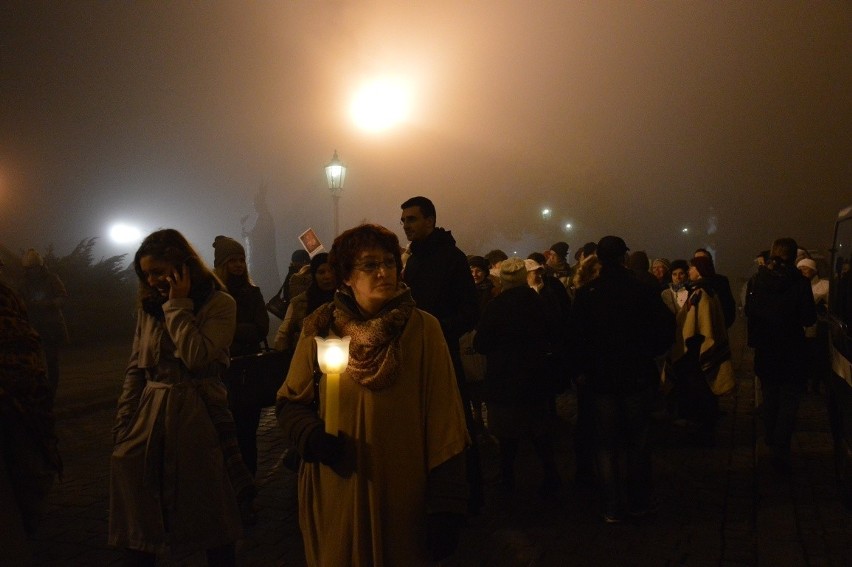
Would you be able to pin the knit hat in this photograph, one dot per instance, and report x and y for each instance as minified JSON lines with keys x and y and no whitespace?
{"x":807,"y":262}
{"x":704,"y":265}
{"x":300,"y":257}
{"x":479,"y":262}
{"x":664,"y":261}
{"x":513,"y":273}
{"x":611,"y":248}
{"x":561,"y":249}
{"x":32,"y":258}
{"x":226,"y":248}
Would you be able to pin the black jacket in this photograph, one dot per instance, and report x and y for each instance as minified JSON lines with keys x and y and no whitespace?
{"x":514,"y":335}
{"x":252,"y":317}
{"x":779,"y":304}
{"x":441,"y":284}
{"x":619,"y":325}
{"x":722,"y":287}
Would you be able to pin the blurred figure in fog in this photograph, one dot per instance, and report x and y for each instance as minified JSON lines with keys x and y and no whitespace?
{"x":515,"y":336}
{"x":252,"y":326}
{"x":29,"y":460}
{"x":779,"y":305}
{"x":620,"y":326}
{"x":44,"y":294}
{"x":176,"y":469}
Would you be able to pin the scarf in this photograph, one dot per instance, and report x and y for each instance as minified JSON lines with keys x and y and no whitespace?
{"x":374,"y":352}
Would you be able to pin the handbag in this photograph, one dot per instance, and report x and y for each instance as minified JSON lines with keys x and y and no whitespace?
{"x":277,"y":305}
{"x":473,"y":363}
{"x":260,"y":375}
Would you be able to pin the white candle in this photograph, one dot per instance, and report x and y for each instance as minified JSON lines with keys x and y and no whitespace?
{"x":332,"y":403}
{"x":333,"y":357}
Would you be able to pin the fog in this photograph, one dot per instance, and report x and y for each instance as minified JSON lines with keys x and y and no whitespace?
{"x":731,"y":119}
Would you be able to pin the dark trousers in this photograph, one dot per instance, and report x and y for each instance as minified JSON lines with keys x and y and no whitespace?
{"x":472,"y":462}
{"x":246,"y":412}
{"x":623,"y":456}
{"x":783,"y":377}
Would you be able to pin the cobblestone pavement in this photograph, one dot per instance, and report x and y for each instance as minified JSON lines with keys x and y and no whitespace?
{"x":716,"y":506}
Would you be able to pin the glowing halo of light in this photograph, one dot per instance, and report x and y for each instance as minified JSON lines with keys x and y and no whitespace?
{"x":381,"y":104}
{"x":122,"y":233}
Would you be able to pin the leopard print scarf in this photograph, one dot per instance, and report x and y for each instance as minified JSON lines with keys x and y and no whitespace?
{"x":374,"y":351}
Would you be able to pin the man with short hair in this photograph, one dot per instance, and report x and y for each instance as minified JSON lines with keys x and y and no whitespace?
{"x":779,"y":305}
{"x":439,"y":277}
{"x":619,"y":326}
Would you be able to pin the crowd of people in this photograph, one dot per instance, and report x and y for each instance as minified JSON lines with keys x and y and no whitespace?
{"x":445,"y":350}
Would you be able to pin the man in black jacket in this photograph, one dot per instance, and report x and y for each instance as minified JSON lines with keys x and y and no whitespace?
{"x":619,"y":325}
{"x":779,"y":304}
{"x":441,"y":284}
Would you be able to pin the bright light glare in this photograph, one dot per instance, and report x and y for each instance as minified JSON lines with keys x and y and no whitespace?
{"x":684,"y":230}
{"x":567,"y":226}
{"x":380,"y":105}
{"x":124,"y":234}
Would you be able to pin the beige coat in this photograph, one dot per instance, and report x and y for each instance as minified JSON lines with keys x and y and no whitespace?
{"x":377,"y":516}
{"x":168,"y":481}
{"x":708,"y":320}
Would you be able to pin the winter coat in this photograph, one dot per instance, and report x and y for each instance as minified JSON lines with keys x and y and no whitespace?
{"x":168,"y":479}
{"x":722,"y":287}
{"x":515,"y":337}
{"x":252,"y":318}
{"x":400,"y":437}
{"x":619,"y":325}
{"x":779,"y":304}
{"x":44,"y":294}
{"x":439,"y":277}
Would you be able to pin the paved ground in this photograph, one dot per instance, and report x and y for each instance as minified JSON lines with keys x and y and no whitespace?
{"x":717,"y":506}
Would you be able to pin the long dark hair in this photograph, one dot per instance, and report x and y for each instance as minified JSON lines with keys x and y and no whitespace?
{"x":171,"y":246}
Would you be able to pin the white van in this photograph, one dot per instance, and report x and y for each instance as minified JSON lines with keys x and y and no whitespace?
{"x":838,"y":320}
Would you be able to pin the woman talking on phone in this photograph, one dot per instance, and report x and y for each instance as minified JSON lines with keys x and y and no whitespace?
{"x":175,"y":468}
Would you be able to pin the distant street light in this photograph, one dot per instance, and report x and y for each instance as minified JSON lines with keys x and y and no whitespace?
{"x":567,"y":226}
{"x":124,"y":234}
{"x":545,"y":214}
{"x":684,"y":230}
{"x":335,"y":174}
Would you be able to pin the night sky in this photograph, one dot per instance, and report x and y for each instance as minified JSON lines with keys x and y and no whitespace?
{"x":733,"y":119}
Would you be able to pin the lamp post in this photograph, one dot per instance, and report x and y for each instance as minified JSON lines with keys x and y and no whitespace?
{"x":335,"y":174}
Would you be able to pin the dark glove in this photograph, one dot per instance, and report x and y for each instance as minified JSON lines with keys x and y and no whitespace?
{"x":323,"y":447}
{"x":330,"y":450}
{"x":442,"y":534}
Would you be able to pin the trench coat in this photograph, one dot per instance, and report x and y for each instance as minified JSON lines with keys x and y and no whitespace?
{"x":168,"y":481}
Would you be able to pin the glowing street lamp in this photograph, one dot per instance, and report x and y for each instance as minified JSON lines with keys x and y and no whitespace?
{"x":545,"y":213}
{"x":333,"y":357}
{"x":335,"y":174}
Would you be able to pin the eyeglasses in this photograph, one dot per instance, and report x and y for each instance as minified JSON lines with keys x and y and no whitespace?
{"x":373,"y":266}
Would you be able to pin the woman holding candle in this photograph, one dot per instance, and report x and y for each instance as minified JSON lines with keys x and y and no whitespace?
{"x":389,"y":488}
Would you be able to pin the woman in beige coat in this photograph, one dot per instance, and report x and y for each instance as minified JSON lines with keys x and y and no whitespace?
{"x":169,"y":481}
{"x":389,"y":488}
